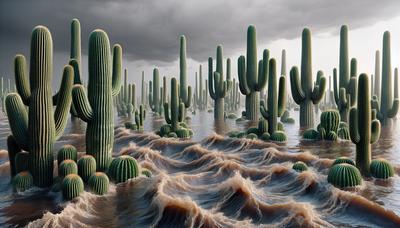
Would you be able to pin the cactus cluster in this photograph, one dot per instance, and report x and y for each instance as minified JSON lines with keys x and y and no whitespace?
{"x":174,"y":114}
{"x":330,"y":128}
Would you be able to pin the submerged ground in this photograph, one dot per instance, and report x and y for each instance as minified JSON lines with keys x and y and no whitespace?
{"x":212,"y":181}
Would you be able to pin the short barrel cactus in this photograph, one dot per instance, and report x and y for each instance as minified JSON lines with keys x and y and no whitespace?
{"x":344,"y":175}
{"x":99,"y":183}
{"x":22,"y":181}
{"x":86,"y":167}
{"x":72,"y":186}
{"x":66,"y":152}
{"x":300,"y":166}
{"x":381,"y":168}
{"x":67,"y":167}
{"x":123,"y":168}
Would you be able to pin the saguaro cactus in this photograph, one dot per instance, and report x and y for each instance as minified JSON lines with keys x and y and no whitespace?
{"x":251,"y":79}
{"x":37,"y":131}
{"x":345,"y":93}
{"x":363,"y":130}
{"x":389,"y":106}
{"x":217,"y":86}
{"x":377,"y":83}
{"x":154,"y":96}
{"x":174,"y":112}
{"x":96,"y":108}
{"x":303,"y":92}
{"x":185,"y":92}
{"x":276,"y":99}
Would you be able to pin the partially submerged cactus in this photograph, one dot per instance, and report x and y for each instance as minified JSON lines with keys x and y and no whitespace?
{"x":72,"y":186}
{"x":381,"y":168}
{"x":300,"y":166}
{"x":96,"y":108}
{"x":344,"y":175}
{"x":363,"y":130}
{"x":341,"y":160}
{"x":302,"y":90}
{"x":99,"y":183}
{"x":22,"y":181}
{"x":123,"y":168}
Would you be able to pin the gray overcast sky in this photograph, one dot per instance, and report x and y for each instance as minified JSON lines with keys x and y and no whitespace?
{"x":149,"y":30}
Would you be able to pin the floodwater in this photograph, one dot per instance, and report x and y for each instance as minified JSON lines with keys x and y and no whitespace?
{"x":214,"y":181}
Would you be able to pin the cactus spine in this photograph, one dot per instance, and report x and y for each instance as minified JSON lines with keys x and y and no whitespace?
{"x":96,"y":108}
{"x":251,"y":81}
{"x":302,"y":92}
{"x":45,"y":125}
{"x":363,"y":130}
{"x":276,"y":99}
{"x":217,"y":86}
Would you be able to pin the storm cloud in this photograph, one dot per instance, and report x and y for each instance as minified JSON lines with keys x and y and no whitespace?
{"x":149,"y":30}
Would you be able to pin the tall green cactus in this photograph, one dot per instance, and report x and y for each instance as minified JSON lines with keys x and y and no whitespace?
{"x":377,"y":75}
{"x":140,"y":116}
{"x":389,"y":105}
{"x":302,"y":92}
{"x":174,"y":112}
{"x":37,"y":131}
{"x":185,"y":92}
{"x":199,"y":93}
{"x":143,"y":91}
{"x":96,"y":108}
{"x":251,"y":80}
{"x":276,"y":99}
{"x":363,"y":130}
{"x":217,"y":86}
{"x":154,"y":95}
{"x":345,"y":93}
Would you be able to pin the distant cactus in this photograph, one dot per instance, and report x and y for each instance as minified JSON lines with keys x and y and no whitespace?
{"x":302,"y":91}
{"x":45,"y":125}
{"x":185,"y":92}
{"x":22,"y":181}
{"x":123,"y":168}
{"x":381,"y":168}
{"x":86,"y":167}
{"x":154,"y":95}
{"x":344,"y":175}
{"x":346,"y":93}
{"x":217,"y":86}
{"x":72,"y":186}
{"x":96,"y":108}
{"x":341,"y":160}
{"x":67,"y":167}
{"x":99,"y":183}
{"x":67,"y":152}
{"x":300,"y":166}
{"x":377,"y":76}
{"x":363,"y":130}
{"x":276,"y":99}
{"x":252,"y":79}
{"x":389,"y":106}
{"x":140,"y":116}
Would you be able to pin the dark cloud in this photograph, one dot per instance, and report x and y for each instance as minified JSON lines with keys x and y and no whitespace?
{"x":149,"y":30}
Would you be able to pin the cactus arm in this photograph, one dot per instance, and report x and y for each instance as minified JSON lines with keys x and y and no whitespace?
{"x":354,"y":134}
{"x":211,"y":76}
{"x":336,"y":87}
{"x":263,"y":110}
{"x":21,"y":76}
{"x":77,"y":75}
{"x":243,"y":85}
{"x":166,"y":113}
{"x":395,"y":108}
{"x":344,"y":99}
{"x":188,"y":101}
{"x":319,"y":91}
{"x":18,"y":119}
{"x":117,"y":69}
{"x":81,"y":103}
{"x":263,"y":74}
{"x":375,"y":131}
{"x":297,"y":92}
{"x":282,"y":96}
{"x":64,"y":101}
